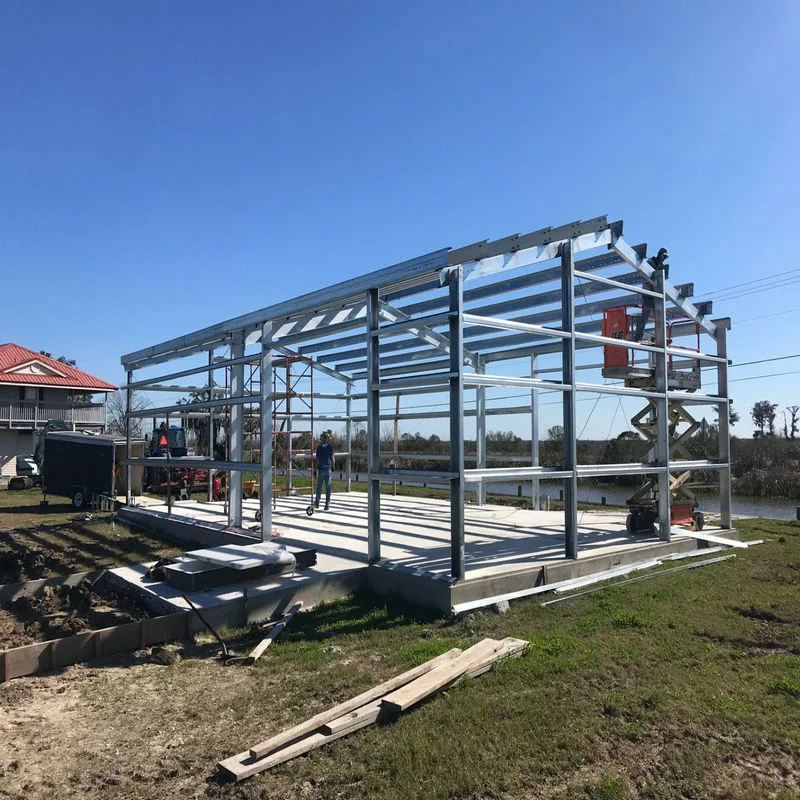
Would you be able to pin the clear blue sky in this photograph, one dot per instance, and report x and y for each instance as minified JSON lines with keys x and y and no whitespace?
{"x":165,"y":165}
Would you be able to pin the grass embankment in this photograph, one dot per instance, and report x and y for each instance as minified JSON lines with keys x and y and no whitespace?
{"x":39,"y":541}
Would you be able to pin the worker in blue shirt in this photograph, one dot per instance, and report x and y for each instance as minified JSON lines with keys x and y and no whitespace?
{"x":325,"y":463}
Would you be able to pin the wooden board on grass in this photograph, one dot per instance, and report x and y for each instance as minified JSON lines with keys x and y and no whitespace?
{"x":427,"y":684}
{"x":276,"y":631}
{"x":376,"y":692}
{"x":243,"y":765}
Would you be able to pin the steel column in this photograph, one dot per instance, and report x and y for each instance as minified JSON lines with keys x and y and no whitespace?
{"x":373,"y":428}
{"x":236,"y":434}
{"x":534,"y":436}
{"x":210,"y":473}
{"x":661,"y":404}
{"x":456,"y":292}
{"x":724,"y":434}
{"x":568,"y":400}
{"x":348,"y":436}
{"x":480,"y":433}
{"x":265,"y":411}
{"x":128,"y":449}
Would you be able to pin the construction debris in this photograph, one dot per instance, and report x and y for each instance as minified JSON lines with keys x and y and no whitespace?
{"x":276,"y":631}
{"x":641,"y":578}
{"x":381,"y":702}
{"x":615,"y":572}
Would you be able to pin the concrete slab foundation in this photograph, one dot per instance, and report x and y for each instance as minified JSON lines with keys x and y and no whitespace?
{"x":507,"y":549}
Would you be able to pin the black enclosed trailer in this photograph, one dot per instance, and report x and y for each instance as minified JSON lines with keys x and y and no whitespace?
{"x":84,"y":466}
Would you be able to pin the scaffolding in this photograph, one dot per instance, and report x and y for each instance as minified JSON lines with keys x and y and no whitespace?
{"x":293,"y":405}
{"x":458,"y":323}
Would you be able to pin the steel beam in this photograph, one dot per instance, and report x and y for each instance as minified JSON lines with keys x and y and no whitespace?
{"x":373,"y":428}
{"x":128,"y":446}
{"x":236,"y":434}
{"x":344,"y":293}
{"x":534,"y":436}
{"x":480,"y":433}
{"x":661,"y":403}
{"x":425,"y":333}
{"x":568,"y":400}
{"x":266,"y":408}
{"x":724,"y":433}
{"x":348,"y":434}
{"x":457,"y":555}
{"x":210,"y":422}
{"x":641,"y":265}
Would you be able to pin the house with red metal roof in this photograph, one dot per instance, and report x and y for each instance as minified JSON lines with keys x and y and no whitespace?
{"x":35,"y":388}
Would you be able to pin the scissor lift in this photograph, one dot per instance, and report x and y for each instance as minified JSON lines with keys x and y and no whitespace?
{"x":620,"y":363}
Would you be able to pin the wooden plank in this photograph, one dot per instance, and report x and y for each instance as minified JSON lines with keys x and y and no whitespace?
{"x":350,"y":722}
{"x":512,"y":648}
{"x":57,"y":653}
{"x":375,"y":693}
{"x":27,"y":660}
{"x":164,"y":629}
{"x":118,"y":639}
{"x":72,"y":649}
{"x":244,"y":765}
{"x":420,"y":688}
{"x":259,"y":649}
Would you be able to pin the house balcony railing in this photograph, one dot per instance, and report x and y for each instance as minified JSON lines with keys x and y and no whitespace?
{"x":31,"y":415}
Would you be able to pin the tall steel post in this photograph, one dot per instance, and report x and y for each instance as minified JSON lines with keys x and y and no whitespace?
{"x":348,"y":436}
{"x":480,"y":431}
{"x":457,"y":555}
{"x":662,"y":407}
{"x":128,"y":447}
{"x":210,"y":423}
{"x":724,"y":435}
{"x":569,"y":400}
{"x":236,"y":432}
{"x":265,"y":413}
{"x":290,"y":428}
{"x":534,"y":437}
{"x":373,"y":428}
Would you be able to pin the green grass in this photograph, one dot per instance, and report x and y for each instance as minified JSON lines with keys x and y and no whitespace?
{"x":686,"y":685}
{"x":668,"y":688}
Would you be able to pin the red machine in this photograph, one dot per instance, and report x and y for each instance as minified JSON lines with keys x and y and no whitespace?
{"x":617,"y":324}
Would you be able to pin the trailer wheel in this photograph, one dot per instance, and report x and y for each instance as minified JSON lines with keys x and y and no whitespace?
{"x":699,"y":520}
{"x":78,"y":498}
{"x":632,"y":523}
{"x":310,"y":511}
{"x":258,"y":515}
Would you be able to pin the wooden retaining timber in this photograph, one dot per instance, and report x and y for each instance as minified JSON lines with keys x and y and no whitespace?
{"x":31,"y":659}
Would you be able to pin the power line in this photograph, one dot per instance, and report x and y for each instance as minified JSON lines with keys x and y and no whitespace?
{"x":767,"y":316}
{"x":760,"y":377}
{"x":776,"y":275}
{"x":765,"y":360}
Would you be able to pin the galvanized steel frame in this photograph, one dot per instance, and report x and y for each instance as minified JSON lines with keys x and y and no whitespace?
{"x":421,"y":347}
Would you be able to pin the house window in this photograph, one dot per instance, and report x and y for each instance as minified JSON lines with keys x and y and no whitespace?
{"x":27,"y":393}
{"x":41,"y":395}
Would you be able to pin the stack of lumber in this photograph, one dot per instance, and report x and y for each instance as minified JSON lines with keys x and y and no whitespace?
{"x":381,"y":702}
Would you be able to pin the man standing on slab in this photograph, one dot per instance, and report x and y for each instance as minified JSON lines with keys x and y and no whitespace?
{"x":326,"y":462}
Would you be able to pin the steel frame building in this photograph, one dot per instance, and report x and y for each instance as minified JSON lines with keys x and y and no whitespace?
{"x":448,"y":322}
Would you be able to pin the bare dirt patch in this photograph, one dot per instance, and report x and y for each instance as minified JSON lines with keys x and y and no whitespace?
{"x":57,"y":611}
